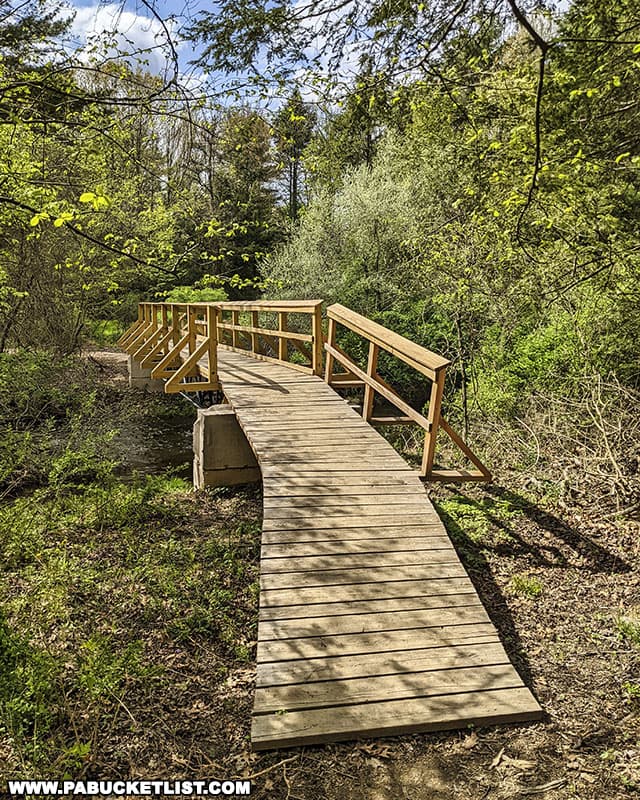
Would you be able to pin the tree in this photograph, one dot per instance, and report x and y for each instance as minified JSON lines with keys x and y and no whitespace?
{"x":245,"y":223}
{"x":294,"y":124}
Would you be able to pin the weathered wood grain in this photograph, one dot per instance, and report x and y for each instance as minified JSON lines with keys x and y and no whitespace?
{"x":368,"y":622}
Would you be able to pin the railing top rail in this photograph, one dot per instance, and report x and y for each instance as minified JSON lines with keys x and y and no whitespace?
{"x":292,"y":306}
{"x":411,"y":353}
{"x":267,"y":305}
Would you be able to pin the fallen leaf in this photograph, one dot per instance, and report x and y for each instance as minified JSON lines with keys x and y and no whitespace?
{"x":544,"y":787}
{"x":470,"y":741}
{"x":519,"y":763}
{"x":497,"y":759}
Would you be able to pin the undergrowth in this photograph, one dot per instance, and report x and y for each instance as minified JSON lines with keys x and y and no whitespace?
{"x":106,"y":585}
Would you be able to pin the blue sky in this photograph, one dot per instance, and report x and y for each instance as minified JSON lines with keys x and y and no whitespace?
{"x":143,"y":28}
{"x":137,"y":29}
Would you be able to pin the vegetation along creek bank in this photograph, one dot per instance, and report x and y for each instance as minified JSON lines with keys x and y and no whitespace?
{"x":129,"y":613}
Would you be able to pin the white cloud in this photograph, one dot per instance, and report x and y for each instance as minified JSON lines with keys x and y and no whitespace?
{"x":108,"y":31}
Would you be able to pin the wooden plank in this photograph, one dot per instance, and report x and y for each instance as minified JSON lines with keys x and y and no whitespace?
{"x":326,"y":609}
{"x":394,"y":717}
{"x":300,"y":422}
{"x":238,"y":379}
{"x":315,"y":500}
{"x":314,"y":422}
{"x":295,"y":402}
{"x":345,"y":510}
{"x":376,"y":688}
{"x":379,"y":642}
{"x":355,"y":576}
{"x":273,"y":396}
{"x":292,"y":306}
{"x":383,"y":590}
{"x":312,"y":437}
{"x":350,"y":560}
{"x":254,"y":414}
{"x":411,"y":353}
{"x":245,"y":385}
{"x":372,"y":622}
{"x":279,"y":673}
{"x":457,"y":475}
{"x":291,"y":491}
{"x":376,"y":450}
{"x":339,"y":546}
{"x":432,"y":527}
{"x":347,"y":483}
{"x":355,"y":460}
{"x":391,"y":421}
{"x":319,"y":523}
{"x":313,"y":442}
{"x":321,"y":470}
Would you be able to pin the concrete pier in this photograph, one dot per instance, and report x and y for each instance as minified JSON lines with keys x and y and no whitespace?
{"x":222,"y":455}
{"x":140,"y":378}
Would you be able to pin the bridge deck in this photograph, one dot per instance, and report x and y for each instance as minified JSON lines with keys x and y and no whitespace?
{"x":369,"y":624}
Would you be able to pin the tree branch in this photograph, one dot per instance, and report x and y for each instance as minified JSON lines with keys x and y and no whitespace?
{"x":84,"y":235}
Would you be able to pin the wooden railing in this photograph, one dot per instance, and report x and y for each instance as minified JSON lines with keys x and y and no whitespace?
{"x":288,"y":331}
{"x":430,"y":364}
{"x":179,"y":343}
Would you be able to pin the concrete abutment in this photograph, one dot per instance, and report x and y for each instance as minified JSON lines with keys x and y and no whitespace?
{"x":222,"y":456}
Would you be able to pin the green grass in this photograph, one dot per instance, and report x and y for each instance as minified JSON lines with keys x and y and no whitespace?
{"x":482,"y":522}
{"x":105,"y":331}
{"x":627,"y":626}
{"x":524,"y":585}
{"x":114,"y":594}
{"x":98,"y":588}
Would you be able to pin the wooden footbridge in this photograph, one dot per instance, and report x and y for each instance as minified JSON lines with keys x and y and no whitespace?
{"x":369,"y":624}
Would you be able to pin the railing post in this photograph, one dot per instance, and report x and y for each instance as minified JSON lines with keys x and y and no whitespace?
{"x":191,"y":327}
{"x":331,"y":341}
{"x":212,"y":332}
{"x":317,"y":344}
{"x":175,"y":324}
{"x":235,"y":320}
{"x":282,"y":342}
{"x":435,"y":403}
{"x":369,"y":393}
{"x":255,"y":323}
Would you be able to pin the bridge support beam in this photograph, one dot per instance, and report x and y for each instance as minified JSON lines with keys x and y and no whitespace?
{"x":140,"y":378}
{"x":222,"y":456}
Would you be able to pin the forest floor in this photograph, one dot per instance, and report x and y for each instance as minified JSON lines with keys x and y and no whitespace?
{"x":145,"y":621}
